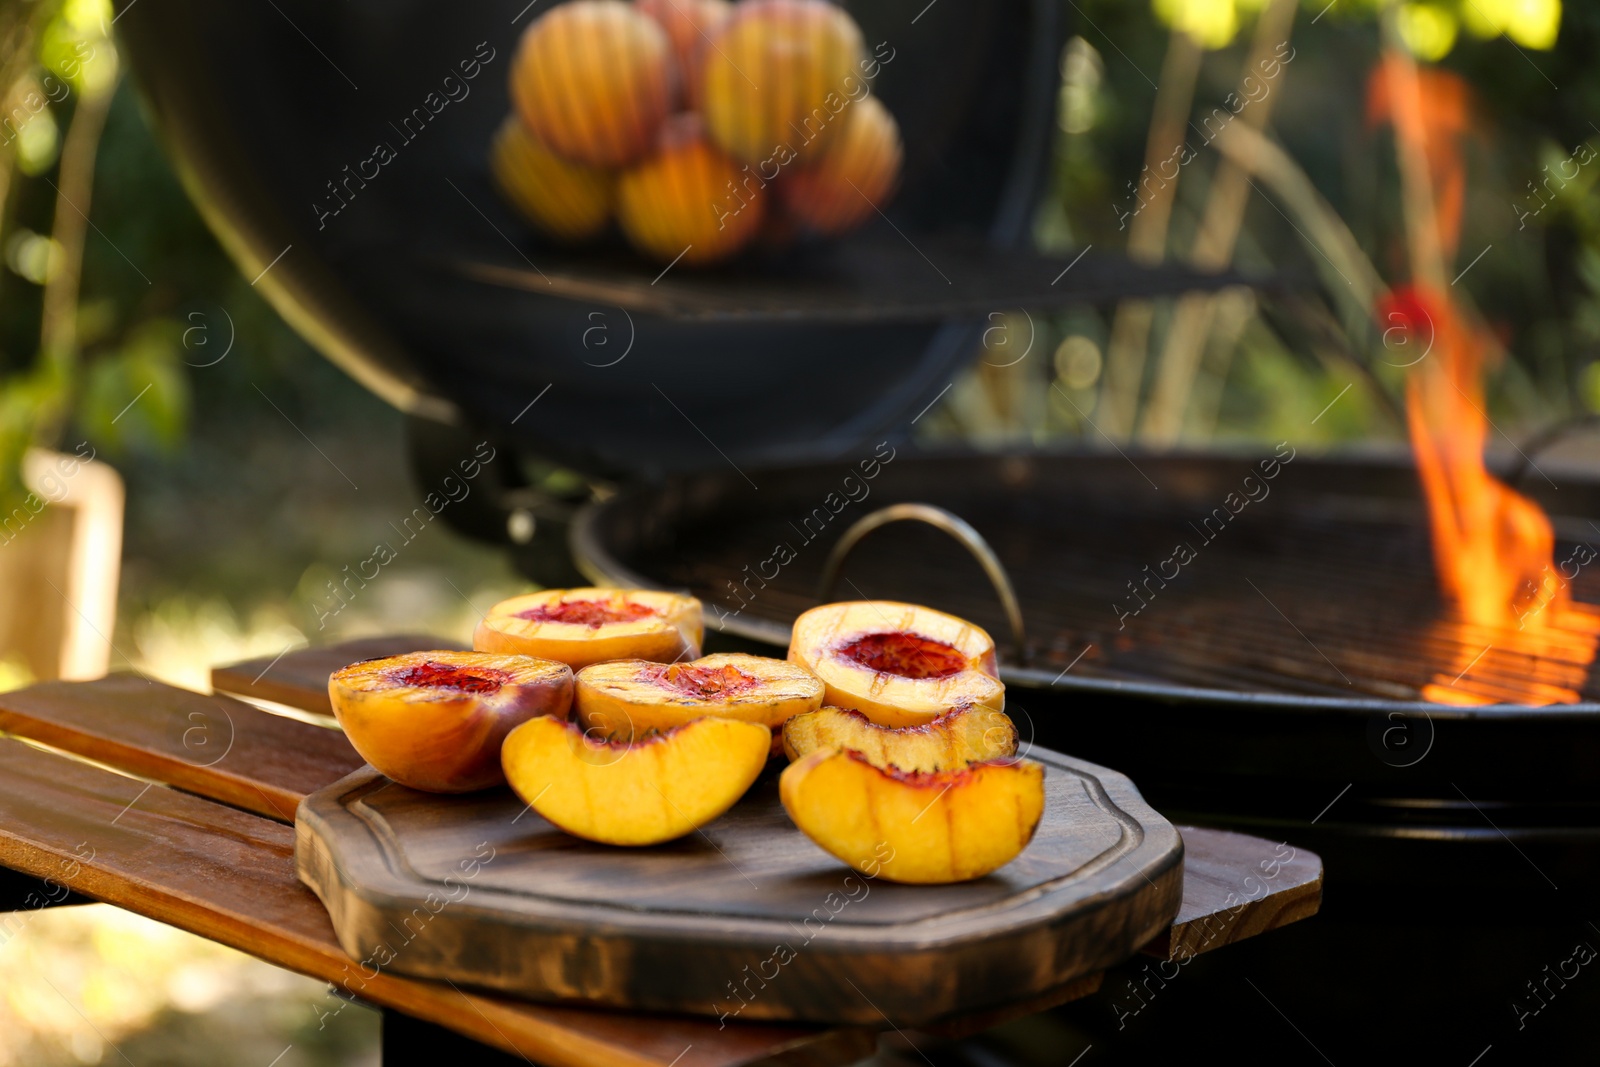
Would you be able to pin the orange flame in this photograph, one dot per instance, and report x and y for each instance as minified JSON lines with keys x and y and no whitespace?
{"x":1434,"y":115}
{"x":1493,"y":548}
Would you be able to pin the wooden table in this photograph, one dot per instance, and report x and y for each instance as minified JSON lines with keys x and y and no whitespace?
{"x":186,"y":813}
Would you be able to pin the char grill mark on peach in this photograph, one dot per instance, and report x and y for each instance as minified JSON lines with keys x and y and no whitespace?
{"x":591,"y":613}
{"x":597,"y":741}
{"x":433,"y":675}
{"x":918,"y":779}
{"x":705,"y":683}
{"x":905,"y":654}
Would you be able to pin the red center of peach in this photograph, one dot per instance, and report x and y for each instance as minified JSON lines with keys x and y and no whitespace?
{"x":591,"y":613}
{"x":443,"y":676}
{"x":705,"y":682}
{"x":907,"y":655}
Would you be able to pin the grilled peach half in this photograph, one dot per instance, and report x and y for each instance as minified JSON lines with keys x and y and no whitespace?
{"x":689,"y":200}
{"x":971,"y":734}
{"x":594,"y":80}
{"x":897,"y":664}
{"x":642,"y":792}
{"x":906,"y":826}
{"x":436,"y":720}
{"x":630,"y":698}
{"x":583,"y":626}
{"x":776,"y":77}
{"x":689,"y":25}
{"x":854,"y":178}
{"x":566,"y":200}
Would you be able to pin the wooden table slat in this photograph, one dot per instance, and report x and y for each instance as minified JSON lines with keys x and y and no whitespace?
{"x":228,"y":875}
{"x":1237,"y":886}
{"x":214,"y":746}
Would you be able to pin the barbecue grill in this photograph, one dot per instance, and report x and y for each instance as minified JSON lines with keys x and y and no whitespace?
{"x":1273,"y":685}
{"x":1271,"y":681}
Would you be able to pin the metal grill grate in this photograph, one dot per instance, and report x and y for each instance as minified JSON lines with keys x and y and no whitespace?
{"x":1324,"y":588}
{"x":874,"y":278}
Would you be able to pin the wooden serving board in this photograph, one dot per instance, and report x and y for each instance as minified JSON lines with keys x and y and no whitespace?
{"x":747,"y":919}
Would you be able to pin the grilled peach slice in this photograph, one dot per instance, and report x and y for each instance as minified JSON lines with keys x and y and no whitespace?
{"x":897,"y":664}
{"x":777,"y":76}
{"x":944,"y":826}
{"x":967,"y":735}
{"x":689,"y":201}
{"x":566,"y":200}
{"x":436,"y":720}
{"x":689,"y":25}
{"x":854,"y":178}
{"x":594,"y":79}
{"x":583,"y":626}
{"x":630,"y":698}
{"x":634,"y":793}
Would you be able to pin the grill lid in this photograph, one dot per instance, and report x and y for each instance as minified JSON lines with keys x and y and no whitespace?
{"x":428,"y":290}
